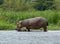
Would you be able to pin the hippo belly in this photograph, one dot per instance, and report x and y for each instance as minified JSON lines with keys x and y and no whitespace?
{"x":34,"y":26}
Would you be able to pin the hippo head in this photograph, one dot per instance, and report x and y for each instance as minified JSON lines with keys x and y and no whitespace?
{"x":18,"y":28}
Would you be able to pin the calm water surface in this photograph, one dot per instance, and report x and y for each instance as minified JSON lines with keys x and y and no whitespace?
{"x":14,"y":37}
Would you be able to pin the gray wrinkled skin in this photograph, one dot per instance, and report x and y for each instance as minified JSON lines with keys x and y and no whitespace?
{"x":33,"y":23}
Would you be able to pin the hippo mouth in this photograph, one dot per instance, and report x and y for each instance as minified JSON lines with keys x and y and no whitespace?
{"x":18,"y":30}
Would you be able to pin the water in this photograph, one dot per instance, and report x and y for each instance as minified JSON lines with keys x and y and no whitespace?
{"x":14,"y":37}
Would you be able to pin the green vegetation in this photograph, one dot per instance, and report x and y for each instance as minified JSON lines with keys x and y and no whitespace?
{"x":9,"y":19}
{"x":12,"y":11}
{"x":27,"y":5}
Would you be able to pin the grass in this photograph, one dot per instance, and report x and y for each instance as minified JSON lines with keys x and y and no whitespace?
{"x":54,"y":27}
{"x":9,"y":19}
{"x":6,"y":26}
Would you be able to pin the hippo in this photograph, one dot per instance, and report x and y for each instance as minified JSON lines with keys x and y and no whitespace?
{"x":33,"y":23}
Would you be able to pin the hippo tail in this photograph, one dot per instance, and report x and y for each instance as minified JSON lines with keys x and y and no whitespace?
{"x":47,"y":23}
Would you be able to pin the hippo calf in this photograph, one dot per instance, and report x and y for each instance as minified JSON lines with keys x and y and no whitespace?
{"x":33,"y":23}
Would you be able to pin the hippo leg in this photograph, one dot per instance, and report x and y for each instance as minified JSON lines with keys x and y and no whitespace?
{"x":28,"y":29}
{"x":45,"y":29}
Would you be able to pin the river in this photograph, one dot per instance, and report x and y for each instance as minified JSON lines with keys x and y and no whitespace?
{"x":14,"y":37}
